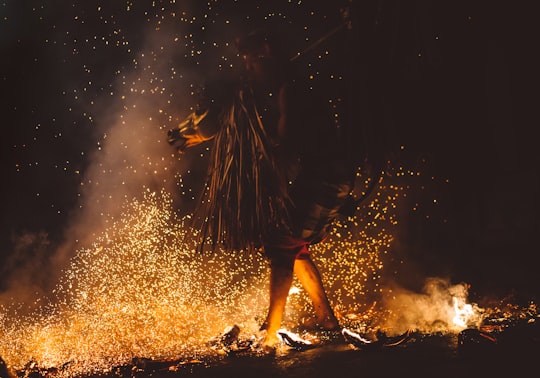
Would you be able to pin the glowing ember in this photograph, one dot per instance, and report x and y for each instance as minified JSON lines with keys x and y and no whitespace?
{"x":142,"y":290}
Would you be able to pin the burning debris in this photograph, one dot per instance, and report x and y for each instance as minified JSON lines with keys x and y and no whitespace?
{"x":508,"y":328}
{"x":382,"y":340}
{"x":505,"y":331}
{"x":294,"y":341}
{"x":229,"y":342}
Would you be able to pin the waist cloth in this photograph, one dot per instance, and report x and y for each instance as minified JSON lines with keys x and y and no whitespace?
{"x":315,"y":205}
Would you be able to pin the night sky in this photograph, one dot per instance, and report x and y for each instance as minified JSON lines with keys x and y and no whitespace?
{"x":452,"y":82}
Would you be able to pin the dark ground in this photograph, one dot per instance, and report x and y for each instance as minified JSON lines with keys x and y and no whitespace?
{"x":434,"y":356}
{"x":512,"y":352}
{"x":497,"y":348}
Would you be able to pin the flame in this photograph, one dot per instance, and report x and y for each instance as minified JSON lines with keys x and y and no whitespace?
{"x":294,"y":290}
{"x":464,"y":313}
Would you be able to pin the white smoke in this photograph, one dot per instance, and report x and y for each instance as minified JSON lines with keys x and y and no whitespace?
{"x":428,"y":311}
{"x":131,"y":116}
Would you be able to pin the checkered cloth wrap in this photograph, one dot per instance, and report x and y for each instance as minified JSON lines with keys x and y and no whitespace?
{"x":316,"y":204}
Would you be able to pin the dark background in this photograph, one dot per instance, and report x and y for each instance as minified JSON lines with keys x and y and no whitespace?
{"x":450,"y":80}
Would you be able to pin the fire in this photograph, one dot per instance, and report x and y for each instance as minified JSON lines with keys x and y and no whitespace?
{"x":294,"y":290}
{"x":142,"y":290}
{"x":464,"y":312}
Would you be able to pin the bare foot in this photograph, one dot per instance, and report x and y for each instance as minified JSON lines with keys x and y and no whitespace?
{"x":269,"y":343}
{"x":271,"y":340}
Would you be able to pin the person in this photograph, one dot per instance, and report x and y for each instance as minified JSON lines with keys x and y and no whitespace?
{"x":278,"y":173}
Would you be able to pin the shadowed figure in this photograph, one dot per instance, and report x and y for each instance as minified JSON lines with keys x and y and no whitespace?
{"x":278,"y":173}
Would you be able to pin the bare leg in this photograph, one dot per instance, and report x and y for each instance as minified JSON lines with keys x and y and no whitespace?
{"x":281,"y":275}
{"x":309,"y":276}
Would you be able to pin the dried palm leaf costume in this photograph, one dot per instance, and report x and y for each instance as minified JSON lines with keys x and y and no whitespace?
{"x":246,"y":195}
{"x":260,"y":193}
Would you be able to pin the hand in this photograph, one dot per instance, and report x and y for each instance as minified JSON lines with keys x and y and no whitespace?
{"x":193,"y":139}
{"x":187,"y":134}
{"x":184,"y":141}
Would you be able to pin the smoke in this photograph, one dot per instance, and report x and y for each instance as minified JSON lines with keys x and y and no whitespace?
{"x":156,"y":93}
{"x":131,"y":112}
{"x":431,"y":310}
{"x":26,"y":270}
{"x":133,"y":72}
